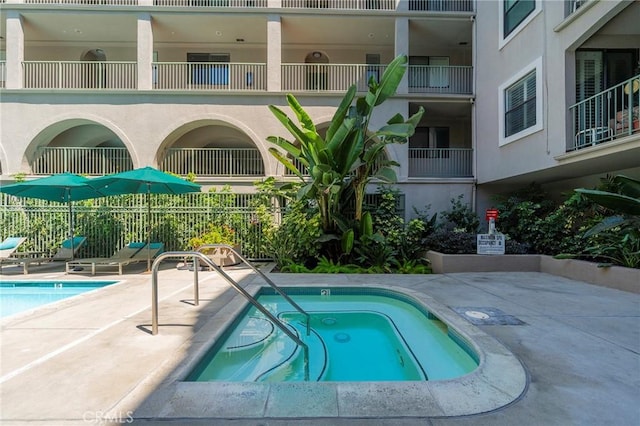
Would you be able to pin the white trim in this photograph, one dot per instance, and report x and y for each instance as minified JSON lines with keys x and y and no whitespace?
{"x":537,"y":66}
{"x":502,"y":41}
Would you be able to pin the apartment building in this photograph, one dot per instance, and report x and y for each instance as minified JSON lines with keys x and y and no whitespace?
{"x":514,"y":91}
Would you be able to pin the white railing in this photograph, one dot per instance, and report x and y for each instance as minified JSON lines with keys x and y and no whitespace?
{"x":328,"y":77}
{"x":440,"y":162}
{"x":340,"y":4}
{"x":607,"y":115}
{"x":80,"y":75}
{"x":442,"y":5}
{"x":81,"y":160}
{"x":86,"y":2}
{"x":214,"y":161}
{"x":209,"y":76}
{"x":212,"y":3}
{"x":440,"y":79}
{"x":3,"y":74}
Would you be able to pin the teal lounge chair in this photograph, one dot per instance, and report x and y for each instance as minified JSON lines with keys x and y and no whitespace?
{"x":66,"y":251}
{"x":131,"y":253}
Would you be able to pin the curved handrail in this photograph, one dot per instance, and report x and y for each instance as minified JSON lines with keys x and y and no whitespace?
{"x":264,"y":277}
{"x":201,"y":256}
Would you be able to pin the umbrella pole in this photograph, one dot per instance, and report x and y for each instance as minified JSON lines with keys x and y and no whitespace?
{"x":70,"y":222}
{"x":148,"y":227}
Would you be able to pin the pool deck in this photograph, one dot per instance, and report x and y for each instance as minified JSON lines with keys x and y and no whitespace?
{"x":92,"y":359}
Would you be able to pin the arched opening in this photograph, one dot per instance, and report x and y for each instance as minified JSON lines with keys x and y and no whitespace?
{"x":212,"y":150}
{"x":95,"y":72}
{"x":317,"y":70}
{"x":78,"y":146}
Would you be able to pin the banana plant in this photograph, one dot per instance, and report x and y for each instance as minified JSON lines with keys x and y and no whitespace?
{"x":349,"y":154}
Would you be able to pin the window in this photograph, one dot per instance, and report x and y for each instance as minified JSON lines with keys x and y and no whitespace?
{"x":435,"y":138}
{"x":515,"y":11}
{"x":520,"y":104}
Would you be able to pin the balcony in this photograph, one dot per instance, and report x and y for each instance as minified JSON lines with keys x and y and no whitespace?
{"x":440,"y":162}
{"x":214,"y":162}
{"x":328,"y":77}
{"x":340,"y":4}
{"x":246,"y":77}
{"x":440,"y":79}
{"x":606,"y":116}
{"x":211,"y":3}
{"x":209,"y":76}
{"x":79,"y":75}
{"x":96,"y":161}
{"x":442,"y":5}
{"x":84,"y":2}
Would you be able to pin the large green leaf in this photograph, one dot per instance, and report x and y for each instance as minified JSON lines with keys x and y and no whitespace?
{"x":605,"y":224}
{"x":341,"y":113}
{"x":630,"y":186}
{"x":286,"y":162}
{"x":386,"y":174}
{"x":303,"y":117}
{"x":616,"y":202}
{"x":285,"y":144}
{"x":288,"y":123}
{"x":389,"y":82}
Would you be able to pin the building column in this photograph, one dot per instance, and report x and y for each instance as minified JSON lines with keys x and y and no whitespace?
{"x":15,"y":51}
{"x":274,"y":53}
{"x":402,"y":48}
{"x":145,"y":52}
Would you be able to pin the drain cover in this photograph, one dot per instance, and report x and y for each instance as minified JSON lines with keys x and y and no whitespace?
{"x":487,"y":316}
{"x":477,"y":314}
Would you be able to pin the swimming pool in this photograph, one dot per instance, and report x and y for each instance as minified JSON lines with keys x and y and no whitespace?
{"x":20,"y":296}
{"x":355,"y":335}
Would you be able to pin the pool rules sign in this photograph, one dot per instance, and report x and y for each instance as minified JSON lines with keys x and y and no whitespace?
{"x":493,"y":242}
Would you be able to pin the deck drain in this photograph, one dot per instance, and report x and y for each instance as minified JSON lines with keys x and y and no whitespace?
{"x":477,"y":315}
{"x":487,"y":316}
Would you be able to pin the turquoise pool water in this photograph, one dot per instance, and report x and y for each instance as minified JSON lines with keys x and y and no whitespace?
{"x":356,"y":335}
{"x":19,"y":296}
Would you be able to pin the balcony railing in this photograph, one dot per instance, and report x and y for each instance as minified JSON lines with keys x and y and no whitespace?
{"x":440,"y":162}
{"x":340,"y":4}
{"x":216,"y":162}
{"x":442,"y":5}
{"x":328,"y":77}
{"x":209,"y":76}
{"x":440,"y":79}
{"x":81,"y":160}
{"x":79,"y":75}
{"x":211,"y":3}
{"x":214,"y":76}
{"x":607,"y":115}
{"x":87,"y":2}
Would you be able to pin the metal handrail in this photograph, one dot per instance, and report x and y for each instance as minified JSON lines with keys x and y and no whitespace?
{"x":264,"y":277}
{"x":201,"y":256}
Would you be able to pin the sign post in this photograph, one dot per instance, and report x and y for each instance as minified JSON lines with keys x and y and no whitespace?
{"x":493,"y":242}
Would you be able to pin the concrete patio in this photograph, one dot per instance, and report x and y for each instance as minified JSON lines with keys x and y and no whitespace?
{"x":92,"y":359}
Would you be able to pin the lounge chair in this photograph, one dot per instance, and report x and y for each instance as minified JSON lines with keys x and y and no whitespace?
{"x":131,"y":253}
{"x":9,"y":246}
{"x":8,"y":249}
{"x":66,"y":251}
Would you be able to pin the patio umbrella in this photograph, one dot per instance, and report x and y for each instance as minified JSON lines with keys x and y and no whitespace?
{"x":63,"y":187}
{"x":146,"y":180}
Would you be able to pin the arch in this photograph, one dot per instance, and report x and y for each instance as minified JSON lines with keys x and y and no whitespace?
{"x":79,"y":130}
{"x":214,"y":145}
{"x":317,"y":71}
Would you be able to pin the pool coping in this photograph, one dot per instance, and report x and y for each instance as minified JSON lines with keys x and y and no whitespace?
{"x":499,"y":380}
